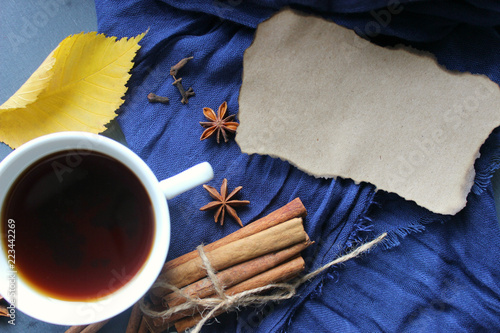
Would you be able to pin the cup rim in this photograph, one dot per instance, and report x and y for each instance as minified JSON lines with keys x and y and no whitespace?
{"x":62,"y":312}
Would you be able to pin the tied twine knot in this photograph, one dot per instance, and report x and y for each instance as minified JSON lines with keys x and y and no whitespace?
{"x":222,"y":301}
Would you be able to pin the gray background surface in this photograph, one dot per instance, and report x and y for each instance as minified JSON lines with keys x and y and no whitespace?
{"x":30,"y":30}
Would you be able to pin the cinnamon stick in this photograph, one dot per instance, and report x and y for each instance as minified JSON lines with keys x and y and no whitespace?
{"x":280,"y":273}
{"x":294,"y":208}
{"x":76,"y":329}
{"x":158,"y":325}
{"x":92,"y":328}
{"x":147,"y":324}
{"x":228,"y":278}
{"x":269,"y":240}
{"x":143,"y":327}
{"x":134,"y":321}
{"x":4,"y":312}
{"x":236,"y":274}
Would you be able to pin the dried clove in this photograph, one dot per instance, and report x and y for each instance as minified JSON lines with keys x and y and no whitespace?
{"x":174,"y":69}
{"x":186,"y":94}
{"x":153,"y":98}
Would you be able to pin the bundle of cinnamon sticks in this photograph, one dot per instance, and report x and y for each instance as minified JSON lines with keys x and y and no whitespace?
{"x":263,"y":252}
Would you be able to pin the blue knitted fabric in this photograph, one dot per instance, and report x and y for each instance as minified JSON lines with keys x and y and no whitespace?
{"x":445,"y":275}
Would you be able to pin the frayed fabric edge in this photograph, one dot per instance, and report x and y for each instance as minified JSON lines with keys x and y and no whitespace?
{"x":395,"y":237}
{"x":483,"y":178}
{"x":362,"y":230}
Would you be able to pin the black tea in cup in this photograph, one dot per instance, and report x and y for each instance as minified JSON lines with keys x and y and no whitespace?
{"x":84,"y":225}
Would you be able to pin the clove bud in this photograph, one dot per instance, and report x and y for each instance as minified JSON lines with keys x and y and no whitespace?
{"x":174,"y":69}
{"x":186,"y":94}
{"x":153,"y":98}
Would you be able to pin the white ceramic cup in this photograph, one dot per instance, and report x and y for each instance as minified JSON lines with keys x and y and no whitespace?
{"x":55,"y":311}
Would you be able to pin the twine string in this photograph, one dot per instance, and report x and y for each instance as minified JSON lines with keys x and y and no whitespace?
{"x":281,"y":291}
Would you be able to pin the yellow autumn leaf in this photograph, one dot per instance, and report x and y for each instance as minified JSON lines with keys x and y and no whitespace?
{"x":29,"y":91}
{"x":77,"y":88}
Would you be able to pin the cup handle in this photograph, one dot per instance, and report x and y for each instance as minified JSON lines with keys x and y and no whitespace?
{"x":186,"y":180}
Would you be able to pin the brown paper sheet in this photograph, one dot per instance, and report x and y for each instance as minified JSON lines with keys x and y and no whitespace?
{"x":333,"y":104}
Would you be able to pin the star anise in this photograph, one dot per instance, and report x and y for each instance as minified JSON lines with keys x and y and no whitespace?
{"x":218,"y":124}
{"x":224,"y":202}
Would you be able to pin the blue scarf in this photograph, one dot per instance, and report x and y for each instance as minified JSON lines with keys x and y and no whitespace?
{"x":444,"y":276}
